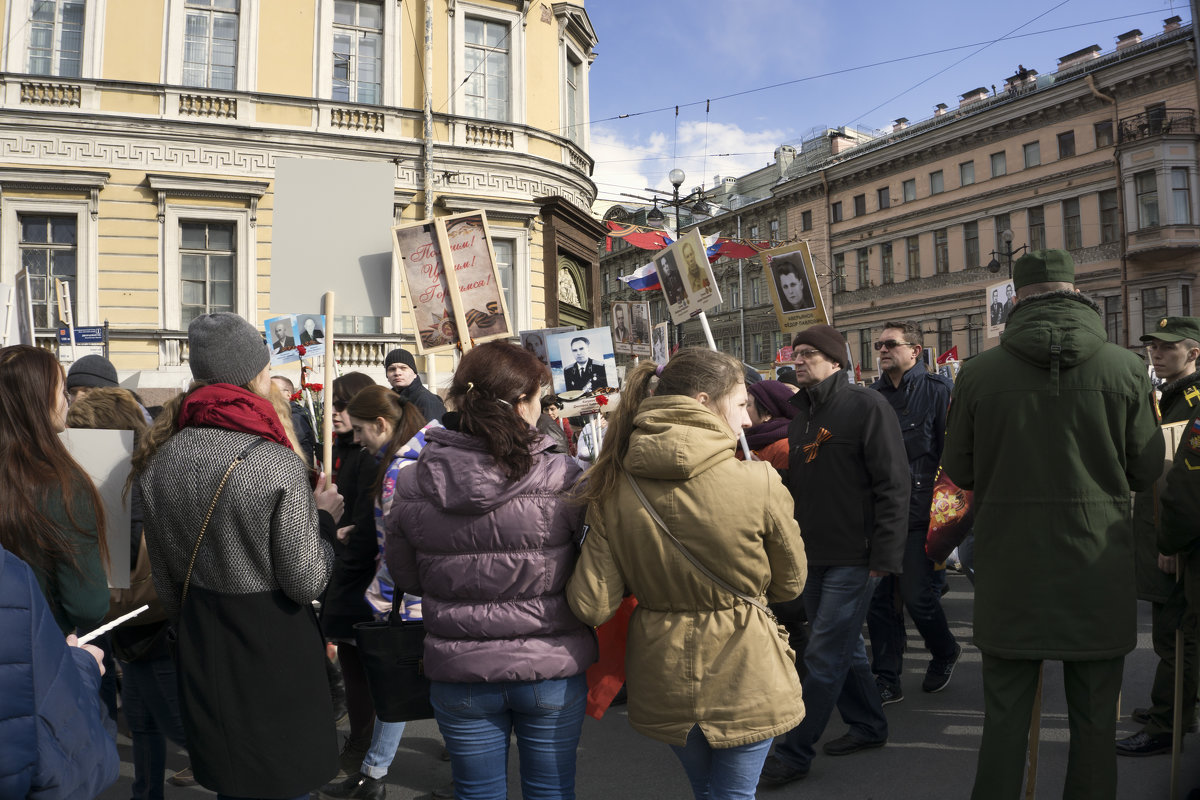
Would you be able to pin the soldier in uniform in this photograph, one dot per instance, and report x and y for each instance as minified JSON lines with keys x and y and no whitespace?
{"x":1173,"y":347}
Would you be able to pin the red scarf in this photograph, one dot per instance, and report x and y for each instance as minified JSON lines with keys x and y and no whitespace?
{"x":223,"y":405}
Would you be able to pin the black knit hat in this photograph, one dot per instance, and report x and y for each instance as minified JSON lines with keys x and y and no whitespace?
{"x":400,"y":356}
{"x":826,"y":339}
{"x":95,"y":371}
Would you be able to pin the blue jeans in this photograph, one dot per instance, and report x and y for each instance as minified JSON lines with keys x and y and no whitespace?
{"x":476,"y":719}
{"x":151,"y":698}
{"x":384,"y":741}
{"x":920,"y":590}
{"x":727,"y":773}
{"x":836,"y":599}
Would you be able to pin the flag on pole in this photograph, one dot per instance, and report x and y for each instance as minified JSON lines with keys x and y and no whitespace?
{"x":642,"y":279}
{"x":949,"y":355}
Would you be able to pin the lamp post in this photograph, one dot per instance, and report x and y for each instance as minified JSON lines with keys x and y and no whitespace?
{"x":1008,"y":252}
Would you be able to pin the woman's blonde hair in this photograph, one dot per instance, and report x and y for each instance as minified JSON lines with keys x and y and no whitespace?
{"x":690,"y":371}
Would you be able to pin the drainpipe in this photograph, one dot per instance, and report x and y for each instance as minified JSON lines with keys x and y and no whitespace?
{"x":1124,"y":240}
{"x":741,"y":293}
{"x":427,"y":162}
{"x":829,"y":246}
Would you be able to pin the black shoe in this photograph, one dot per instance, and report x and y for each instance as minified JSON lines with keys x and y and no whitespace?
{"x":1143,"y":744}
{"x":1142,"y":717}
{"x":443,"y":792}
{"x":776,"y":773}
{"x":889,"y":694}
{"x":938,"y":675}
{"x":848,"y":744}
{"x":356,"y":787}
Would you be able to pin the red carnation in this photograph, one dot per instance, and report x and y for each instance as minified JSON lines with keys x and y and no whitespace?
{"x":301,"y":349}
{"x":296,"y":397}
{"x":601,"y":399}
{"x":315,"y":387}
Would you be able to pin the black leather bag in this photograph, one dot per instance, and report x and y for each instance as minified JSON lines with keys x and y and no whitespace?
{"x":393,"y":656}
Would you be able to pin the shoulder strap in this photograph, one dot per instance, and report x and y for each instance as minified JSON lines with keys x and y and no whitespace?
{"x":688,"y":555}
{"x":212,"y":507}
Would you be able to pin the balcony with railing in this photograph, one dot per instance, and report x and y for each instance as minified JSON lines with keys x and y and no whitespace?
{"x":1156,"y":122}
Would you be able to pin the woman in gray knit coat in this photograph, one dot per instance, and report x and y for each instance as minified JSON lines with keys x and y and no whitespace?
{"x":238,"y":573}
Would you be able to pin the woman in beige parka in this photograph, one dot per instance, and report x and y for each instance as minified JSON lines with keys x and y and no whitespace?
{"x":708,"y":672}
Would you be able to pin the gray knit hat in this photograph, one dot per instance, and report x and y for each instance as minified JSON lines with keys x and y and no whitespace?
{"x":224,"y":348}
{"x":94,"y":371}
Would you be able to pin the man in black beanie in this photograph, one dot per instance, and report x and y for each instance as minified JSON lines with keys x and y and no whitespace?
{"x":90,"y":372}
{"x":402,"y":375}
{"x":848,"y":474}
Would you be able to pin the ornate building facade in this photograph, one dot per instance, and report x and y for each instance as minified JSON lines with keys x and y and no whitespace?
{"x":138,"y":141}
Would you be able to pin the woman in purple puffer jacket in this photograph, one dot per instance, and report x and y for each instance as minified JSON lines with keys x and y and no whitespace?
{"x":483,"y":529}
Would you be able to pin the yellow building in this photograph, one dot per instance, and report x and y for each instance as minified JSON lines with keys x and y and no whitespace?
{"x":138,"y":140}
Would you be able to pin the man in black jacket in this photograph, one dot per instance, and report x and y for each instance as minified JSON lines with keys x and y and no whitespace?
{"x":920,"y":399}
{"x":848,"y":475}
{"x":402,"y":375}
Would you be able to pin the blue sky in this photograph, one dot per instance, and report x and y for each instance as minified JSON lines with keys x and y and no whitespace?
{"x":655,"y":54}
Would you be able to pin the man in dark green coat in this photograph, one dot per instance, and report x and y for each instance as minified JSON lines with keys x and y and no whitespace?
{"x":1052,"y":429}
{"x":1173,"y":346}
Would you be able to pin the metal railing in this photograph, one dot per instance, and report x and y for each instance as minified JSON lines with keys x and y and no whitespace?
{"x":1156,"y":122}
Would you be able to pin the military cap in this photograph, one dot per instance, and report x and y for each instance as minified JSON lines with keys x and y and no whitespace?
{"x":1174,"y":329}
{"x":1043,"y":266}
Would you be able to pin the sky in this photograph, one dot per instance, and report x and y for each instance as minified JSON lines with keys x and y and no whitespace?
{"x":800,"y":67}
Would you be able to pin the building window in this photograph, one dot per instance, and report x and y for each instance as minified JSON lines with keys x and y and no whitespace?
{"x":1037,"y":228}
{"x":914,"y":256}
{"x":773,"y":226}
{"x":999,"y":165}
{"x":357,"y":51}
{"x":754,"y":233}
{"x":1154,"y":307}
{"x":839,"y":272}
{"x":974,"y":334}
{"x":806,"y":220}
{"x":1181,"y":204}
{"x":1066,"y":144}
{"x":1185,"y":300}
{"x":487,"y":86}
{"x":1109,"y":220}
{"x":49,"y":248}
{"x":1146,"y":187}
{"x":860,"y":205}
{"x":735,"y":296}
{"x":945,"y":335}
{"x":966,"y":173}
{"x":970,"y":244}
{"x":210,"y":44}
{"x":1072,"y":225}
{"x":836,"y":211}
{"x":936,"y":184}
{"x":1104,"y":133}
{"x":1113,"y":318}
{"x":207,"y":267}
{"x":1033,"y":154}
{"x":1003,"y":223}
{"x":757,"y":353}
{"x":887,"y":273}
{"x":885,"y":197}
{"x":575,"y":115}
{"x":504,"y":250}
{"x":864,"y":267}
{"x":866,"y":357}
{"x":909,"y":187}
{"x":56,"y":37}
{"x":941,"y":251}
{"x":755,"y":297}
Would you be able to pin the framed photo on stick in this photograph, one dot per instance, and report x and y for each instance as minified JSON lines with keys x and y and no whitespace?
{"x":419,"y":247}
{"x":481,"y":296}
{"x":794,"y":288}
{"x":687,"y":278}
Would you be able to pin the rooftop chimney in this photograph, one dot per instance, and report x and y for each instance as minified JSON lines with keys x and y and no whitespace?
{"x":1129,"y":38}
{"x":785,"y":154}
{"x":1171,"y":23}
{"x":1079,"y":57}
{"x":973,"y":96}
{"x":900,"y":124}
{"x":939,"y":109}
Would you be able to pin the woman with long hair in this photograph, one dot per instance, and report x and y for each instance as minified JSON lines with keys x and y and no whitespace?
{"x":482,"y":527}
{"x":233,"y":529}
{"x":356,"y":554}
{"x":393,"y":431}
{"x":149,"y":695}
{"x":50,"y":514}
{"x":707,"y":670}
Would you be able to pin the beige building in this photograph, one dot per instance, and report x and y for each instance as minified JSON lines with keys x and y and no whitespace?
{"x":138,"y":140}
{"x":1097,"y":156}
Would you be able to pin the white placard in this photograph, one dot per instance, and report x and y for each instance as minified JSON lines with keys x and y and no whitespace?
{"x":105,"y":456}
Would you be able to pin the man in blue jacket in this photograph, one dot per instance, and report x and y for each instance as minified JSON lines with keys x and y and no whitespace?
{"x":920,"y":399}
{"x":52,"y":738}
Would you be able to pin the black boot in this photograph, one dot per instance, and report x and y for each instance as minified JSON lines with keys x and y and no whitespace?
{"x":356,"y":787}
{"x":337,"y":689}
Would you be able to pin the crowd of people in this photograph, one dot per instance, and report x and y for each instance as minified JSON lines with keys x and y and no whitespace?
{"x":514,"y":535}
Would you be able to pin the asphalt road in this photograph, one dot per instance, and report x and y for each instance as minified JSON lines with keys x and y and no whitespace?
{"x":931,"y":751}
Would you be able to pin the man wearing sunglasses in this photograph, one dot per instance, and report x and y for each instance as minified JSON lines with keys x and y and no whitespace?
{"x":919,"y":398}
{"x":1052,"y":430}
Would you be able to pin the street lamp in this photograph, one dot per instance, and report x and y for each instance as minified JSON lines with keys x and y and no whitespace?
{"x":1008,"y":252}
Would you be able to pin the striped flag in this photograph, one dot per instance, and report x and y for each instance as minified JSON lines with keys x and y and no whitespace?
{"x":642,"y":279}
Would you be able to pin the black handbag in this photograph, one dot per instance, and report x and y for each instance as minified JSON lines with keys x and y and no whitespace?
{"x":393,"y":657}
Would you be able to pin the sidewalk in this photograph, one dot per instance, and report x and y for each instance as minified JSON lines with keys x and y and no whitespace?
{"x":930,"y":754}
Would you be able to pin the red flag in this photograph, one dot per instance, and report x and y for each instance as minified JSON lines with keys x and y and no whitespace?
{"x":949,"y":355}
